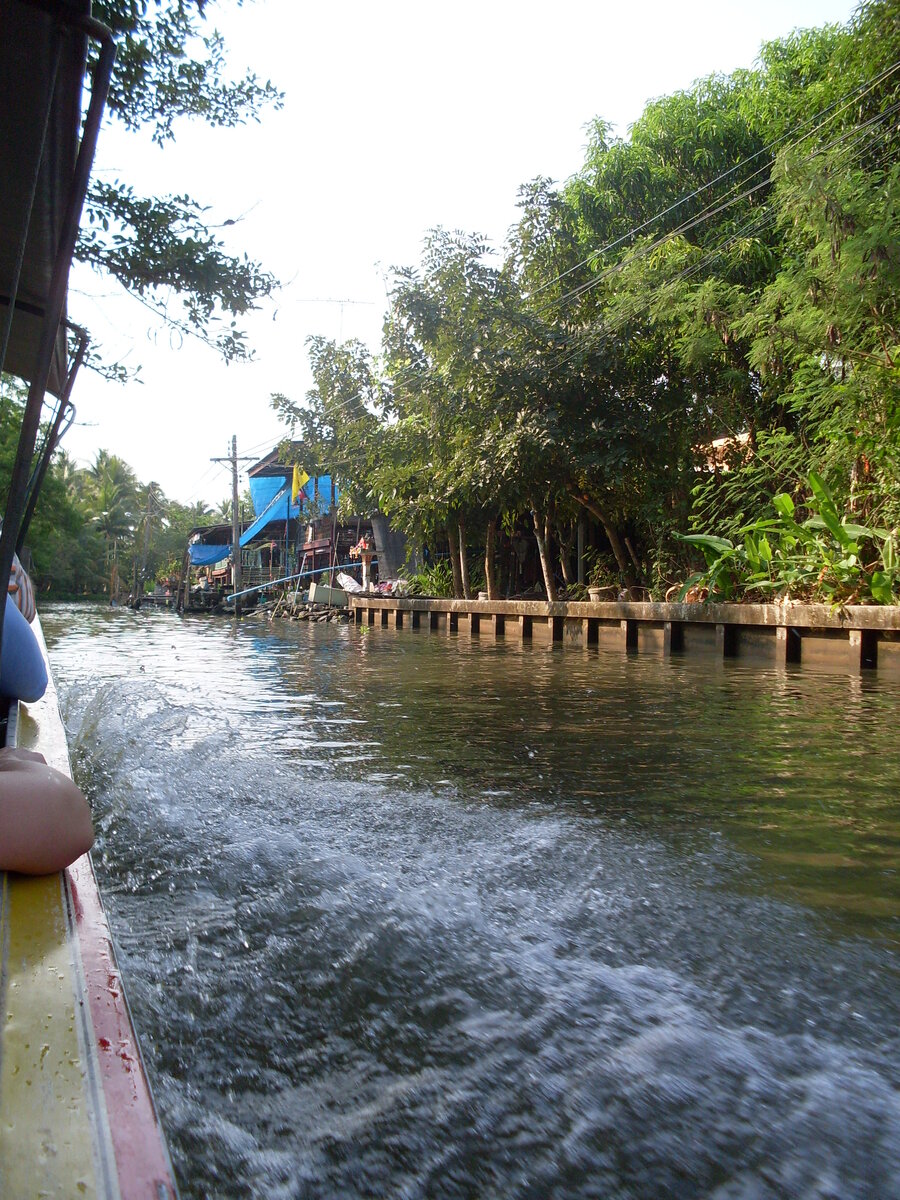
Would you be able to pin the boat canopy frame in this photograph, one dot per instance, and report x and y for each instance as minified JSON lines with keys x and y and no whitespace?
{"x":45,"y":176}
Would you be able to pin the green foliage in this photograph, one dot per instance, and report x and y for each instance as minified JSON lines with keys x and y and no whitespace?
{"x":730,"y":271}
{"x":435,"y":581}
{"x":92,"y":526}
{"x":745,"y":481}
{"x":600,"y":570}
{"x":337,"y":424}
{"x":827,"y":557}
{"x":161,"y":245}
{"x":170,"y":66}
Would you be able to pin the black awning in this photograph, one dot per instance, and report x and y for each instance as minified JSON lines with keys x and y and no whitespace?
{"x":42,"y":64}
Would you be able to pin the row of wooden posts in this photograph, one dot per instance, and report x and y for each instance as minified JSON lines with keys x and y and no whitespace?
{"x":857,"y":639}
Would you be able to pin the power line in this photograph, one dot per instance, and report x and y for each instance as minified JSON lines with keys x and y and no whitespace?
{"x":711,"y":210}
{"x":715,"y":251}
{"x":844,"y":101}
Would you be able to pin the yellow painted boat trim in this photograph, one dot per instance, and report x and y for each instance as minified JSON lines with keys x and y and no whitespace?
{"x":46,"y":1138}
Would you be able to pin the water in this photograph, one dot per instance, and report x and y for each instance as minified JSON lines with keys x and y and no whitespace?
{"x":407,"y":916}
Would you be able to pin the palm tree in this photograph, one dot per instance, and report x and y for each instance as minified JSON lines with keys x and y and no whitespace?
{"x":115,"y":500}
{"x":224,"y":511}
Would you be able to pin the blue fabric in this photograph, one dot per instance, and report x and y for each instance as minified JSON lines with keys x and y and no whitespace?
{"x":23,"y":673}
{"x":276,"y":511}
{"x":264,"y":489}
{"x":324,"y":482}
{"x":205,"y":556}
{"x":271,"y":495}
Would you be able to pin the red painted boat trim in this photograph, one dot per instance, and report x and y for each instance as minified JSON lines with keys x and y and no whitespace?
{"x":142,"y":1161}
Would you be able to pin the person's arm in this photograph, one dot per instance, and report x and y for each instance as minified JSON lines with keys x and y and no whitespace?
{"x":45,"y":821}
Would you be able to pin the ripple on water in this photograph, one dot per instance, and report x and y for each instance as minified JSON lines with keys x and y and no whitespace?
{"x":471,"y":977}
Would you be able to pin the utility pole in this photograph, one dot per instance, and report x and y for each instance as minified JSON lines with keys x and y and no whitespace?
{"x":138,"y":588}
{"x":235,"y":528}
{"x":235,"y":520}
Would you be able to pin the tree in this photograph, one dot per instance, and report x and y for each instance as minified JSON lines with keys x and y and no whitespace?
{"x":338,"y":425}
{"x":162,"y":248}
{"x":729,"y":271}
{"x":114,"y":495}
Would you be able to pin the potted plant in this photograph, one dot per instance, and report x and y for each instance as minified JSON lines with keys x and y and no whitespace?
{"x":601,"y":578}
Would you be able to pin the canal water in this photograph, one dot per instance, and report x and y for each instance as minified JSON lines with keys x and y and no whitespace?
{"x":406,"y":915}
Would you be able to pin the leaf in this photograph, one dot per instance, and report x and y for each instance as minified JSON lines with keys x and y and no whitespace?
{"x":820,"y":490}
{"x":826,"y":519}
{"x":693,"y":581}
{"x":881,"y":588}
{"x":706,"y":541}
{"x":784,"y":505}
{"x":858,"y":532}
{"x":752,"y":551}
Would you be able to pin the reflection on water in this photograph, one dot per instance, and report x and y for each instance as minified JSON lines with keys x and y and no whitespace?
{"x":404,"y":915}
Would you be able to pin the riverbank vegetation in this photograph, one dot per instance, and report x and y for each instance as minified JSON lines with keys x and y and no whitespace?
{"x":704,"y":317}
{"x":688,"y":349}
{"x":97,"y":530}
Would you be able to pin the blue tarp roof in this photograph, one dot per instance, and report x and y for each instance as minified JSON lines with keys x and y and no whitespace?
{"x":271,"y":496}
{"x":278,"y":509}
{"x":279,"y":504}
{"x":264,"y":489}
{"x":205,"y":556}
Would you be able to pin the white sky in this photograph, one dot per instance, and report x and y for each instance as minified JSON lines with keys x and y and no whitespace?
{"x":400,"y":115}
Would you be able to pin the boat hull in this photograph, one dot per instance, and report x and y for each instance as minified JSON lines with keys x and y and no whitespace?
{"x":77,"y":1116}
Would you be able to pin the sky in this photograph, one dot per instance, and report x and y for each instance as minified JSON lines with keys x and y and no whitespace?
{"x":399,"y":116}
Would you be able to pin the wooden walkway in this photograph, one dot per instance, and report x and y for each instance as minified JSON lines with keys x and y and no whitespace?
{"x":853,"y":639}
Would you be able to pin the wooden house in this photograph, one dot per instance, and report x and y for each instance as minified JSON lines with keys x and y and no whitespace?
{"x":294,"y":532}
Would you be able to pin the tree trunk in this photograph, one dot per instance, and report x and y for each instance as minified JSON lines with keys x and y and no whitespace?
{"x":453,"y":539}
{"x":613,"y":538}
{"x":565,"y":553}
{"x":854,"y":484}
{"x":506,"y":571}
{"x":634,"y":558}
{"x":540,"y":533}
{"x":181,"y":595}
{"x":463,"y":560}
{"x":490,"y":539}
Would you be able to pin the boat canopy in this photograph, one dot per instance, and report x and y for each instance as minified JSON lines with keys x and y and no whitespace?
{"x":87,"y":1126}
{"x":46,"y":153}
{"x":43,"y":65}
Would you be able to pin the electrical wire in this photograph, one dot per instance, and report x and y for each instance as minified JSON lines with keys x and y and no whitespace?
{"x":716,"y":251}
{"x":711,"y":211}
{"x":695,"y":221}
{"x":845,"y":101}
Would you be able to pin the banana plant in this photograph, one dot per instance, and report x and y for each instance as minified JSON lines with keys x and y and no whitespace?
{"x":827,"y":556}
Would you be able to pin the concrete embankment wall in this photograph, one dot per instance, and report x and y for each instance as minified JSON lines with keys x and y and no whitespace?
{"x":814,"y":636}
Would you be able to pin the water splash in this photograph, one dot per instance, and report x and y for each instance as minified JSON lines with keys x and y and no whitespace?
{"x":426,"y":985}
